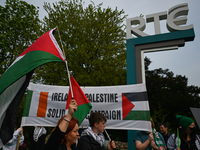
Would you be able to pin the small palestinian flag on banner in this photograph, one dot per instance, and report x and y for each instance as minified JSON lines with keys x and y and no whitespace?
{"x":135,"y":106}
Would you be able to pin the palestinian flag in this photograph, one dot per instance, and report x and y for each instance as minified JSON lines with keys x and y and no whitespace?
{"x":84,"y":105}
{"x":135,"y":106}
{"x":16,"y":79}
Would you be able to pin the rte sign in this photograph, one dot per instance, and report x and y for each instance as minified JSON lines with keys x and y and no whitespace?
{"x":176,"y":18}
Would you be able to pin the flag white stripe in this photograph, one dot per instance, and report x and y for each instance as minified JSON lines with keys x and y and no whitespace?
{"x":16,"y":60}
{"x":56,"y":44}
{"x":140,"y":105}
{"x":8,"y":95}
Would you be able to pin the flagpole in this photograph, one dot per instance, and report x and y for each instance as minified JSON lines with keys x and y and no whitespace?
{"x":66,"y":63}
{"x":107,"y":135}
{"x":18,"y":142}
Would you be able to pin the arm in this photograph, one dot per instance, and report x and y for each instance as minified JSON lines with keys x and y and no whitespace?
{"x":142,"y":146}
{"x":58,"y":134}
{"x":54,"y":140}
{"x":153,"y":145}
{"x":16,"y":135}
{"x":72,"y":108}
{"x":171,"y":143}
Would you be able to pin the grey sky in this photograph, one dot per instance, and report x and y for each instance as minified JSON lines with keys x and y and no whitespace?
{"x":185,"y":60}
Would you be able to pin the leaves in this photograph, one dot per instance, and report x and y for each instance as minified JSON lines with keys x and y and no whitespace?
{"x":170,"y":95}
{"x":19,"y":27}
{"x":94,"y":42}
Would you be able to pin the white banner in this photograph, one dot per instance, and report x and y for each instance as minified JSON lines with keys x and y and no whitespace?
{"x":125,"y":107}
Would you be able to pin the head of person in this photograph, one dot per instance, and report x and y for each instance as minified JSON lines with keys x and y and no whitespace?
{"x":97,"y":121}
{"x":186,"y":124}
{"x":163,"y":128}
{"x":72,"y":133}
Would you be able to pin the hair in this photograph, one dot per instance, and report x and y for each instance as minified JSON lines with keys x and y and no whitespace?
{"x":164,"y":124}
{"x":152,"y":123}
{"x":96,"y":117}
{"x":70,"y":127}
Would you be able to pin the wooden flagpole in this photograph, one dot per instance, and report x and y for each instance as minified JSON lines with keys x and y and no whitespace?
{"x":18,"y":141}
{"x":66,"y":63}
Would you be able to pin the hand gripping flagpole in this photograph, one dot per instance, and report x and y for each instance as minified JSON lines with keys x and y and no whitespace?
{"x":66,"y":63}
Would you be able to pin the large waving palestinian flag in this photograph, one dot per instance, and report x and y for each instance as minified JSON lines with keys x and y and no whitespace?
{"x":15,"y":80}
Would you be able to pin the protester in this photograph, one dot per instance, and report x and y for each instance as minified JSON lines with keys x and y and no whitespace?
{"x":37,"y":138}
{"x":185,"y":138}
{"x":65,"y":134}
{"x":12,"y":143}
{"x":164,"y":131}
{"x":92,"y":138}
{"x":148,"y":140}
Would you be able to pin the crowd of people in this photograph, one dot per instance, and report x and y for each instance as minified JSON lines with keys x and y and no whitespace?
{"x":65,"y":136}
{"x":185,"y":138}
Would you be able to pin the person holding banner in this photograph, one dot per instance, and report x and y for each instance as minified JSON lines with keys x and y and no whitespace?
{"x":185,"y":138}
{"x":12,"y":143}
{"x":145,"y":140}
{"x":65,"y":134}
{"x":92,"y":138}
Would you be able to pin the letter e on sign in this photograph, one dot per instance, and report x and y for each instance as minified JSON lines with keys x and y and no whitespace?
{"x":174,"y":19}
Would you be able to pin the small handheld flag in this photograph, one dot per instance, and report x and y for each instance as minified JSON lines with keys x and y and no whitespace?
{"x":84,"y":105}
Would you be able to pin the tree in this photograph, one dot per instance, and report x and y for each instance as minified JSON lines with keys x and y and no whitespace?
{"x":19,"y":28}
{"x":169,"y":95}
{"x":94,"y":44}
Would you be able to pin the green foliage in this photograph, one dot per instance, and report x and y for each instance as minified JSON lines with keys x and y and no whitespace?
{"x":19,"y":26}
{"x":169,"y":95}
{"x":94,"y":44}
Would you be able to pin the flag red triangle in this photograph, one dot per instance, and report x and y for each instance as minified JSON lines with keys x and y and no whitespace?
{"x":127,"y":106}
{"x":83,"y":104}
{"x":69,"y":97}
{"x":46,"y":43}
{"x":78,"y":94}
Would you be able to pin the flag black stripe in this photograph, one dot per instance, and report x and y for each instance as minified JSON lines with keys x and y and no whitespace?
{"x":136,"y":96}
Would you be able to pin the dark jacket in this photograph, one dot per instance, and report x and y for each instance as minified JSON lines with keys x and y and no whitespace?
{"x":39,"y":145}
{"x":185,"y":146}
{"x":55,"y":139}
{"x":89,"y":143}
{"x":166,"y":137}
{"x":190,"y":145}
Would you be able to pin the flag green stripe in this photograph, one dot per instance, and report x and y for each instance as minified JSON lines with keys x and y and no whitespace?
{"x":138,"y":115}
{"x":90,"y":105}
{"x":27,"y":103}
{"x":29,"y":62}
{"x":82,"y":111}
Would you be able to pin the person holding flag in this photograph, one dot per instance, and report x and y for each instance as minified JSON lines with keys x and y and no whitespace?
{"x":65,"y":134}
{"x":17,"y":137}
{"x":149,"y":140}
{"x":186,"y":137}
{"x":92,"y":138}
